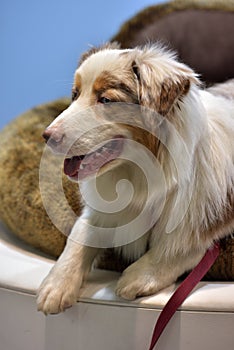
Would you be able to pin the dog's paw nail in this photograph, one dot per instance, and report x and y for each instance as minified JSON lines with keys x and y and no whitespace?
{"x":125,"y":292}
{"x":127,"y":295}
{"x":53,"y":300}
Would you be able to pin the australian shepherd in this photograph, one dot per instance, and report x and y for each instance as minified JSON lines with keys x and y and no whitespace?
{"x":161,"y":148}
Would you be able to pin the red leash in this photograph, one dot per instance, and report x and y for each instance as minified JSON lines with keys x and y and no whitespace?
{"x":183,"y":291}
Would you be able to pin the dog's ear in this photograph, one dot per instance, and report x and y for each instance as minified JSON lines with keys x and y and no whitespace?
{"x":170,"y":92}
{"x":160,"y":88}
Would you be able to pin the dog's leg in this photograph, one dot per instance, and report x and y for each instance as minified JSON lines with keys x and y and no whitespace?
{"x":60,"y":289}
{"x":149,"y":274}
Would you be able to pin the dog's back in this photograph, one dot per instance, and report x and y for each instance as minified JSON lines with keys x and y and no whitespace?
{"x":225,"y":89}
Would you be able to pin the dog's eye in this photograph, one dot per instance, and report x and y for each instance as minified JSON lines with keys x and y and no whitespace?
{"x":104,"y":100}
{"x":75,"y":94}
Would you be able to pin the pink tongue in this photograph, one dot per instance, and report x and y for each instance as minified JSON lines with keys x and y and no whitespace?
{"x":89,"y":164}
{"x":72,"y":165}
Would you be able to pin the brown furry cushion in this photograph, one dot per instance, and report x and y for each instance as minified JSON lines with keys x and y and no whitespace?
{"x":21,"y":207}
{"x":200,"y":31}
{"x":21,"y":144}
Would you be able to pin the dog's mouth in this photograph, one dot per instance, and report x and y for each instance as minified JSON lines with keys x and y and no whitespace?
{"x":82,"y":166}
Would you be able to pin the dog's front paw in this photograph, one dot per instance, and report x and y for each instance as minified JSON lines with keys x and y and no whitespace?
{"x":135,"y":283}
{"x":56,"y":294}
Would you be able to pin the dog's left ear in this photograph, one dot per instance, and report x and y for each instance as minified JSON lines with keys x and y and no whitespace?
{"x":159,"y":89}
{"x":170,"y":92}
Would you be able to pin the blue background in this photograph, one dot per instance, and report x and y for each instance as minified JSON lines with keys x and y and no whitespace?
{"x":41,"y":42}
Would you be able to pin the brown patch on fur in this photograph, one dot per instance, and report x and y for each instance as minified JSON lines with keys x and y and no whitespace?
{"x":117,"y":89}
{"x":93,"y":50}
{"x":77,"y":81}
{"x":170,"y":91}
{"x":76,"y":87}
{"x":150,"y":141}
{"x":104,"y":82}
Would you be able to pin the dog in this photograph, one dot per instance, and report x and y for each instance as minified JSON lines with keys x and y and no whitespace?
{"x":196,"y":132}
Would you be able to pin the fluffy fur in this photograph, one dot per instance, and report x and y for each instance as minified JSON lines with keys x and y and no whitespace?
{"x":153,"y":78}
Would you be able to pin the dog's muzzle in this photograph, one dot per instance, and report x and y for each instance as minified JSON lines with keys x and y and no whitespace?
{"x":53,"y":137}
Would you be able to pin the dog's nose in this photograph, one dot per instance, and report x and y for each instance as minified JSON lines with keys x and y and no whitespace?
{"x":46,"y":134}
{"x":52,"y":136}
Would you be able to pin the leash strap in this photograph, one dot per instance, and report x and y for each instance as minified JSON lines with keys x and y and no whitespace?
{"x":183,"y":291}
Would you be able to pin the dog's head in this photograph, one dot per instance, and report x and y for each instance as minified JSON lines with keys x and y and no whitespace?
{"x":150,"y":77}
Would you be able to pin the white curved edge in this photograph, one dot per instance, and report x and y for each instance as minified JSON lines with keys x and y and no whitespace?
{"x":23,"y":268}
